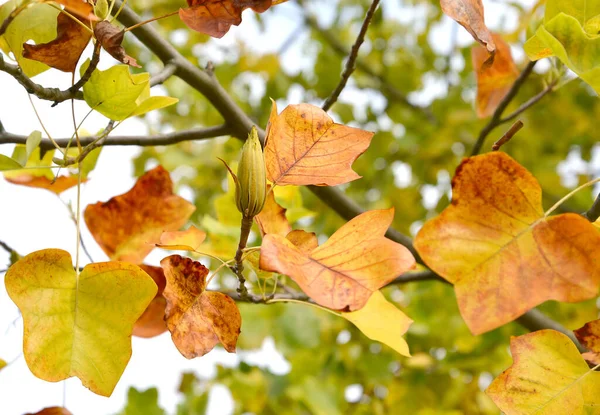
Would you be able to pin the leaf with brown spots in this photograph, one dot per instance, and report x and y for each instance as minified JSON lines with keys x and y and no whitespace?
{"x":304,"y":241}
{"x":501,"y":252}
{"x":197,"y":319}
{"x":110,"y":37}
{"x":305,"y":147}
{"x":188,"y":240}
{"x":589,"y":335}
{"x":215,"y":17}
{"x":64,"y":52}
{"x":495,"y":80}
{"x":126,"y":226}
{"x":152,"y":322}
{"x":547,"y":377}
{"x":271,"y":218}
{"x":346,"y":270}
{"x":469,"y":13}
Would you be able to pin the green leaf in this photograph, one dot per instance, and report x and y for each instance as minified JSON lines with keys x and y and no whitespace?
{"x":145,"y":402}
{"x":32,"y":142}
{"x":89,"y":162}
{"x":38,"y":23}
{"x":563,"y":34}
{"x":6,"y":163}
{"x":118,"y":94}
{"x":78,"y":325}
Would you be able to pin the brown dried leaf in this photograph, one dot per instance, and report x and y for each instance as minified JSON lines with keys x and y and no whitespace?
{"x":110,"y":37}
{"x":305,"y":147}
{"x":79,"y":8}
{"x":197,"y":319}
{"x":57,"y":185}
{"x":215,"y":17}
{"x":469,"y":13}
{"x":64,"y":52}
{"x":495,"y":80}
{"x":126,"y":225}
{"x":53,"y":410}
{"x":152,"y":322}
{"x":346,"y":270}
{"x":589,"y":335}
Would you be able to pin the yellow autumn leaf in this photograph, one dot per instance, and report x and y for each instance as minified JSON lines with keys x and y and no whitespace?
{"x":78,"y":326}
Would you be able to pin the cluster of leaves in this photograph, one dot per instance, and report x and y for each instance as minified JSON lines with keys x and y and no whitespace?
{"x":503,"y":254}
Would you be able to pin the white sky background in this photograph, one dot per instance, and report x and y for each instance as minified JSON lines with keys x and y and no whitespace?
{"x":34,"y":219}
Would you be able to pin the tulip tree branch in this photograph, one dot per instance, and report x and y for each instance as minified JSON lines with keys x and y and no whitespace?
{"x":351,"y":62}
{"x":167,"y":72}
{"x":594,"y":212}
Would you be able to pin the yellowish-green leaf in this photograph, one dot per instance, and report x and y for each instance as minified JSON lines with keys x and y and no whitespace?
{"x":6,"y":163}
{"x":548,"y":377}
{"x":117,"y":94}
{"x":382,"y":321}
{"x":78,"y":326}
{"x":36,"y":166}
{"x":569,"y":32}
{"x":37,"y":22}
{"x":32,"y":142}
{"x":3,"y":364}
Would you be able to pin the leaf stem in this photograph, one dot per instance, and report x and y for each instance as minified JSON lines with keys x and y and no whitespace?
{"x":291,"y":300}
{"x":135,"y":26}
{"x":569,"y":195}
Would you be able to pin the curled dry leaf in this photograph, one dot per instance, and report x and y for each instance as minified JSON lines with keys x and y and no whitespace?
{"x":271,"y":218}
{"x":152,"y":322}
{"x":126,"y":226}
{"x":346,"y":270}
{"x":188,"y":240}
{"x":382,"y":321}
{"x":589,"y":335}
{"x":197,"y":319}
{"x":110,"y":37}
{"x":74,"y":325}
{"x":469,"y":13}
{"x":64,"y":52}
{"x":547,"y":377}
{"x":495,"y":80}
{"x":305,"y":147}
{"x":503,"y":255}
{"x":53,"y":410}
{"x":215,"y":17}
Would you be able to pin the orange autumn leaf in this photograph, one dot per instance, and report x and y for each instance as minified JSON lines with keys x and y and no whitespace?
{"x":346,"y":270}
{"x":503,"y":255}
{"x":197,"y":319}
{"x":215,"y":17}
{"x":152,"y":322}
{"x":304,"y":241}
{"x":126,"y":226}
{"x":53,"y":410}
{"x":79,"y":8}
{"x":188,"y":240}
{"x":64,"y":52}
{"x":271,"y":218}
{"x":57,"y":185}
{"x":495,"y":80}
{"x":589,"y":335}
{"x":305,"y":147}
{"x":110,"y":37}
{"x":469,"y":14}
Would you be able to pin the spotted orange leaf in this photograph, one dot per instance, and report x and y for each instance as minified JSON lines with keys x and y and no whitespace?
{"x":469,"y":13}
{"x":197,"y":319}
{"x":501,"y":252}
{"x":304,"y":241}
{"x":495,"y":80}
{"x":346,"y":270}
{"x":305,"y":147}
{"x":215,"y":17}
{"x":126,"y":226}
{"x":152,"y":322}
{"x":589,"y":335}
{"x":64,"y":52}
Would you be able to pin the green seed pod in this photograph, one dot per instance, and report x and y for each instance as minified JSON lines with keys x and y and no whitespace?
{"x":251,"y":186}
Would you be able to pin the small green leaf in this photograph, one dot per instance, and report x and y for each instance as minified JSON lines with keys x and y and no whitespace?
{"x":89,"y":162}
{"x":6,"y":163}
{"x":145,"y":402}
{"x":33,"y":141}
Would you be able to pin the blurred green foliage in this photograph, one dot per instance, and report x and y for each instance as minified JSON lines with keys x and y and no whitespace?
{"x":408,"y":166}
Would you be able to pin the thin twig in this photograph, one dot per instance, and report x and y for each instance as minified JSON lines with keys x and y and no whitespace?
{"x":88,"y":72}
{"x":167,"y":72}
{"x":495,"y":121}
{"x":594,"y":212}
{"x":508,"y":135}
{"x":141,"y":141}
{"x":351,"y":62}
{"x":50,"y":94}
{"x":529,"y":103}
